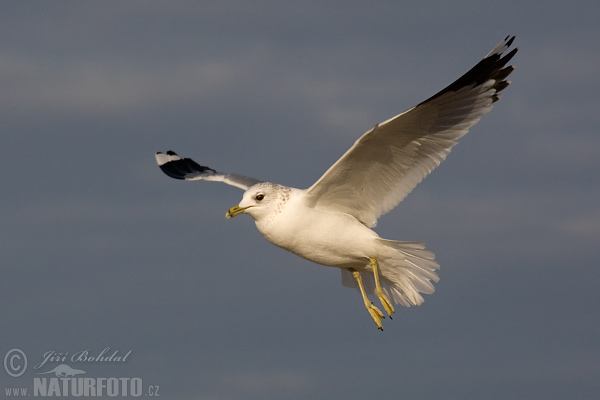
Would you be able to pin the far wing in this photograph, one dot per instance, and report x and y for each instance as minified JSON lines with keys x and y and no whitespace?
{"x":186,"y":168}
{"x":387,"y":162}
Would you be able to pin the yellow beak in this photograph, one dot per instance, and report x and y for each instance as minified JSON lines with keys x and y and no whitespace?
{"x":235,"y":211}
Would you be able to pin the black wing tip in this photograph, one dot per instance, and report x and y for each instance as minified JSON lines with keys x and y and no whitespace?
{"x":510,"y":41}
{"x":168,"y":152}
{"x":491,"y":66}
{"x":502,"y":46}
{"x":180,"y":168}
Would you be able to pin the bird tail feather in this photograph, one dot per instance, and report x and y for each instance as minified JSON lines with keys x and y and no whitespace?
{"x":408,"y":272}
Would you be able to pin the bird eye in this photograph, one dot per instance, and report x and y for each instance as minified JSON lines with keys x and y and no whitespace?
{"x":259,"y":197}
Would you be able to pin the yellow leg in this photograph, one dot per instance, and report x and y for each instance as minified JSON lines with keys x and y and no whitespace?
{"x":387,"y":304}
{"x":376,"y":314}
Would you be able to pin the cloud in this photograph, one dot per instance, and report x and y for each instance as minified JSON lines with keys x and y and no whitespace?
{"x":109,"y":87}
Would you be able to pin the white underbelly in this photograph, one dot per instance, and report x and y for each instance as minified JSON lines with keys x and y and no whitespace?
{"x":332,"y":239}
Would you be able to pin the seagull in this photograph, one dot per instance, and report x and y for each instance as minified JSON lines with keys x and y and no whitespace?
{"x":330,"y":222}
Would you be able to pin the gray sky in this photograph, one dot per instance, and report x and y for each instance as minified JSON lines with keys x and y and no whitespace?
{"x":100,"y":249}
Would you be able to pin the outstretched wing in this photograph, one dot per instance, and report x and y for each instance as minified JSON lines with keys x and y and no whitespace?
{"x":186,"y":168}
{"x":387,"y":162}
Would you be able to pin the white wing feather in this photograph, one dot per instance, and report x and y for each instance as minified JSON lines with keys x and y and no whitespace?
{"x":388,"y":161}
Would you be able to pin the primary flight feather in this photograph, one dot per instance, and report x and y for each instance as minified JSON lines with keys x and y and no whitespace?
{"x":329,"y":223}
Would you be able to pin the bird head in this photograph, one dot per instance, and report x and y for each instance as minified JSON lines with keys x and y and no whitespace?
{"x":260,"y":200}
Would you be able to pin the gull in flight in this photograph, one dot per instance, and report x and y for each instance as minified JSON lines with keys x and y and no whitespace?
{"x":330,"y":222}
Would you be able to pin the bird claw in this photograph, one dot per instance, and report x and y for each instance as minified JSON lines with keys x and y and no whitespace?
{"x":386,"y":303}
{"x":376,"y":314}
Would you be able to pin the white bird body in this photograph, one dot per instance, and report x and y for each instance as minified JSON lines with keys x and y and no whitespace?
{"x":286,"y":218}
{"x":328,"y":238}
{"x":329,"y":223}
